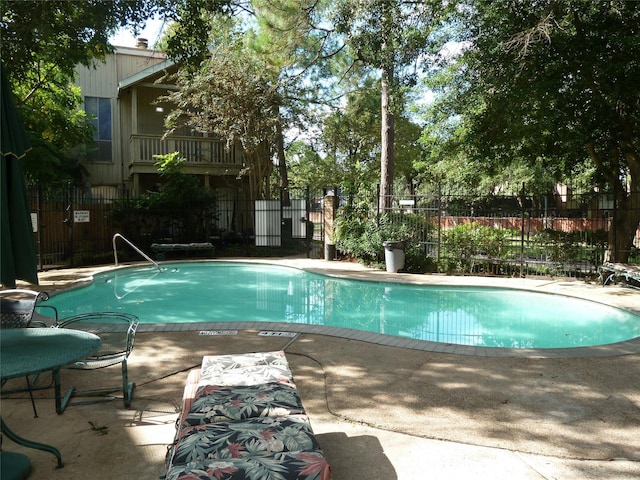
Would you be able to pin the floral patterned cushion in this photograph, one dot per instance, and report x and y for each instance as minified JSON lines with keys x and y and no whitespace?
{"x":215,"y":403}
{"x":245,"y":369}
{"x":251,"y":437}
{"x":285,"y":465}
{"x":242,"y":418}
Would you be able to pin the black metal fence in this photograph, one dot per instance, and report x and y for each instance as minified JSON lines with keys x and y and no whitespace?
{"x":70,"y":226}
{"x":565,"y":234}
{"x":75,"y":227}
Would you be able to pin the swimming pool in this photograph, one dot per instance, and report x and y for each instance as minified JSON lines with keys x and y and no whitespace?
{"x":249,"y":292}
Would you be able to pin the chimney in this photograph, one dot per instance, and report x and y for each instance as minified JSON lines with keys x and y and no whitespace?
{"x":142,"y":43}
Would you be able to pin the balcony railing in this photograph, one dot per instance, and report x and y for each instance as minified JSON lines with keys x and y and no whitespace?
{"x":195,"y":150}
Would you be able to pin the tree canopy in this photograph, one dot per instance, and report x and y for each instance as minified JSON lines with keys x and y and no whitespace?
{"x":543,"y":89}
{"x":64,"y":33}
{"x":42,"y":43}
{"x":234,"y":96}
{"x":320,"y":51}
{"x":554,"y":83}
{"x":390,"y":36}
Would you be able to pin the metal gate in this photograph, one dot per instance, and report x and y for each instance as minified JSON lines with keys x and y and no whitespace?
{"x":70,"y":227}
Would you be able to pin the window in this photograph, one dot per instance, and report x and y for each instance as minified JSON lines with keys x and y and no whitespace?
{"x":99,"y":112}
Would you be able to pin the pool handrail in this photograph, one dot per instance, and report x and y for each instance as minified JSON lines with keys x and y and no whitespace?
{"x":115,"y":251}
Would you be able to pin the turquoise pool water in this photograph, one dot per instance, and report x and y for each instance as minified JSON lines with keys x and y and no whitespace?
{"x":233,"y":291}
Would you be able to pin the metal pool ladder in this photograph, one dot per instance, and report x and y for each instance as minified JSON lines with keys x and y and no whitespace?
{"x":115,"y":252}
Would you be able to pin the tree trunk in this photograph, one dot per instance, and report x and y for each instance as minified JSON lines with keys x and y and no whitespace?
{"x":624,"y":227}
{"x":387,"y":140}
{"x":627,"y":214}
{"x":282,"y":166}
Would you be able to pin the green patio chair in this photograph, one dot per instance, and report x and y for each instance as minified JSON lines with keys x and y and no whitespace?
{"x":117,"y":332}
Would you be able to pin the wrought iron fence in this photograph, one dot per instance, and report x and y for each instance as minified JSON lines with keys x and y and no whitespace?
{"x":501,"y":235}
{"x":71,"y":227}
{"x":75,"y":227}
{"x":562,"y":235}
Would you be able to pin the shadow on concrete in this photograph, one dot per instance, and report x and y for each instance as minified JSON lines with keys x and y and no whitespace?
{"x":356,"y":458}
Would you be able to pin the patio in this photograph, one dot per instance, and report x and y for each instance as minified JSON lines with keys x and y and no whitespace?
{"x":378,"y":411}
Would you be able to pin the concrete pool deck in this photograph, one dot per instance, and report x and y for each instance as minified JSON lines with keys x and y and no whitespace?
{"x":379,"y":410}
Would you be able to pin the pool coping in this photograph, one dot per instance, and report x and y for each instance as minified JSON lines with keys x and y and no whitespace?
{"x":610,"y":295}
{"x":628,"y":347}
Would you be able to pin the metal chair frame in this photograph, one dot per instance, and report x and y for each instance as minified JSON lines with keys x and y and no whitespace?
{"x":117,"y":332}
{"x":18,"y":307}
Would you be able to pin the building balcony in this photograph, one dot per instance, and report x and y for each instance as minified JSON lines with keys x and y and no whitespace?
{"x":204,"y":156}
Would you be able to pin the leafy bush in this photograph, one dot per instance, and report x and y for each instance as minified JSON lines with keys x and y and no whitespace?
{"x":181,"y":209}
{"x":362,"y":238}
{"x":556,"y":246}
{"x":418,"y":259}
{"x":465,"y":246}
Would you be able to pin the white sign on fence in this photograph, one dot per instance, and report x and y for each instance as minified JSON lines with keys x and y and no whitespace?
{"x":81,"y":216}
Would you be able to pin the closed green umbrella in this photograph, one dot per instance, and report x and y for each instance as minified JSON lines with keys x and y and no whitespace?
{"x":18,"y":258}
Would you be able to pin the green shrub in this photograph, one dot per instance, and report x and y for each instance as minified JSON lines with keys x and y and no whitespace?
{"x":465,"y":246}
{"x":363,"y":238}
{"x":169,"y":211}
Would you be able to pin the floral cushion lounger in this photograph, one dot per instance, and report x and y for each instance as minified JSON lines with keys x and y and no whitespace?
{"x":242,"y":418}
